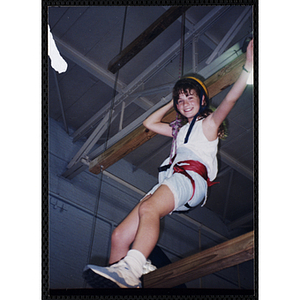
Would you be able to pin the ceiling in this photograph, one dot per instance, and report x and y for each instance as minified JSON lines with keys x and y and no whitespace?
{"x":89,"y":37}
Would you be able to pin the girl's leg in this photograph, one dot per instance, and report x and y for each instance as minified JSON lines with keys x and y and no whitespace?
{"x":140,"y":226}
{"x":124,"y":234}
{"x":150,"y":212}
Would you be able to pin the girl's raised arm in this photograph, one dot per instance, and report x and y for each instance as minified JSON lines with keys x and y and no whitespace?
{"x":213,"y":122}
{"x":154,"y":123}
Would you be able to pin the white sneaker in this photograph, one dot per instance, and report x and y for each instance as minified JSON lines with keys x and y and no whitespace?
{"x":117,"y":275}
{"x":148,"y":267}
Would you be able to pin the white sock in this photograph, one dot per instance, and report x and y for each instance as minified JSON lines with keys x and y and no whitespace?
{"x":136,"y":260}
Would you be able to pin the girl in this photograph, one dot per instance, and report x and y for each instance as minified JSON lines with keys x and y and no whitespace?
{"x":184,"y":184}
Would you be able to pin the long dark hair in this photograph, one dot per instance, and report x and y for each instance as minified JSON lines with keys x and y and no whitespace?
{"x":185,"y":85}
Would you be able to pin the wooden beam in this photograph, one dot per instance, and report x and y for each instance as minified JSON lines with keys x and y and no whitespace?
{"x":126,"y":145}
{"x":153,"y":31}
{"x":225,"y":77}
{"x":215,"y":84}
{"x":225,"y":255}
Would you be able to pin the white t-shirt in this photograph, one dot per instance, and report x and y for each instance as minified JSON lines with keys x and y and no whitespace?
{"x":205,"y":150}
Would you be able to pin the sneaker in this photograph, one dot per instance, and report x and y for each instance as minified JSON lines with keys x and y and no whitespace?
{"x":148,"y":267}
{"x":118,"y":275}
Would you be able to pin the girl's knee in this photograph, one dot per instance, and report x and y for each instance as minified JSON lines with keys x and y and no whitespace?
{"x":147,"y":207}
{"x":160,"y":204}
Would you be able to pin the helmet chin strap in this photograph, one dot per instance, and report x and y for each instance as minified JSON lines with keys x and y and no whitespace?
{"x":193,"y":121}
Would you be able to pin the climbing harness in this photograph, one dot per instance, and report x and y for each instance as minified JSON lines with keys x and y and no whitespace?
{"x":192,"y":165}
{"x":176,"y":124}
{"x":189,"y":165}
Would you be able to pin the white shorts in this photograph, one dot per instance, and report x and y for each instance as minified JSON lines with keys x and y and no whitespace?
{"x":182,"y":189}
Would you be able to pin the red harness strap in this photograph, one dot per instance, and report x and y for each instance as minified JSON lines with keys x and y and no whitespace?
{"x":192,"y":165}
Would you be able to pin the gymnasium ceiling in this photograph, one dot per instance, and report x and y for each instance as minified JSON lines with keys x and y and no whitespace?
{"x":89,"y":38}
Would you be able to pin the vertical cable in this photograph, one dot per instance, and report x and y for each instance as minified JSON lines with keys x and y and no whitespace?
{"x":181,"y":55}
{"x":115,"y":84}
{"x":60,"y":102}
{"x":177,"y":123}
{"x":105,"y":148}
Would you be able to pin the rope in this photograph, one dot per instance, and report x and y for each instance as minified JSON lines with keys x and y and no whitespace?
{"x":181,"y":55}
{"x":177,"y":123}
{"x":105,"y":148}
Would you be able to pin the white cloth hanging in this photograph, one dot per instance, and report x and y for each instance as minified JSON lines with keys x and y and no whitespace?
{"x":57,"y":62}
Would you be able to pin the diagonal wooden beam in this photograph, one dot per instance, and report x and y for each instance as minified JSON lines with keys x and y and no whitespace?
{"x":126,"y":145}
{"x":225,"y":255}
{"x":153,"y":31}
{"x":215,"y":84}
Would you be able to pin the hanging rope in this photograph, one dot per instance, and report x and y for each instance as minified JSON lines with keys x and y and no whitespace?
{"x":105,"y":148}
{"x":181,"y":55}
{"x":177,"y":123}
